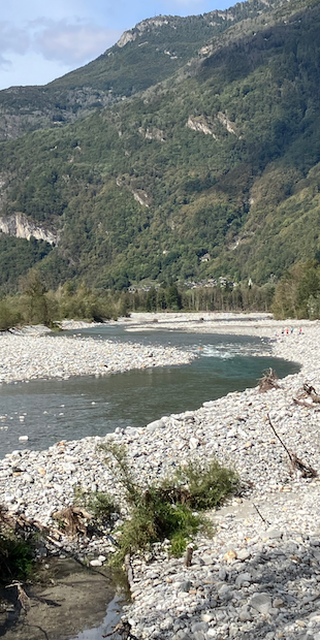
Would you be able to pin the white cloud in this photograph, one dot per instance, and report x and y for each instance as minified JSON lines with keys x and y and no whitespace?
{"x":12,"y":40}
{"x":72,"y":43}
{"x":61,"y":45}
{"x":24,"y":10}
{"x":31,"y":69}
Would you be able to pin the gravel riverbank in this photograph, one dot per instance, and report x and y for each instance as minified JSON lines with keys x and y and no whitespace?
{"x":259,"y":576}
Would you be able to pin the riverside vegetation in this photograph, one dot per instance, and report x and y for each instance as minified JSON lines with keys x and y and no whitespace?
{"x":154,"y":513}
{"x":296,"y":295}
{"x":209,"y":168}
{"x":35,"y":305}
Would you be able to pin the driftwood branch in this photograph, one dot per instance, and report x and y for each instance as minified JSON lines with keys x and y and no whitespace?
{"x":295,"y":462}
{"x":260,"y":514}
{"x":24,"y":527}
{"x":277,"y":436}
{"x":22,"y":596}
{"x":308,"y":398}
{"x":73,"y":519}
{"x":124,"y":629}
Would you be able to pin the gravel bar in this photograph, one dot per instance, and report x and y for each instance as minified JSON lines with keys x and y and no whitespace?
{"x":30,"y":355}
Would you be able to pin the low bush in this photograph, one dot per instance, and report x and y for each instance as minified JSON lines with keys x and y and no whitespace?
{"x":16,"y":551}
{"x":206,"y":484}
{"x":166,"y":511}
{"x":16,"y":558}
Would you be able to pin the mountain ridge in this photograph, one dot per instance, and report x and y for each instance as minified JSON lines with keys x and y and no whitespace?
{"x":219,"y":159}
{"x":99,"y":84}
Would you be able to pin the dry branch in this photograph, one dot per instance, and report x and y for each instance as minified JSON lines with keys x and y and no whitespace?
{"x":73,"y":520}
{"x":295,"y":462}
{"x":21,"y":596}
{"x":260,"y":514}
{"x":188,"y":556}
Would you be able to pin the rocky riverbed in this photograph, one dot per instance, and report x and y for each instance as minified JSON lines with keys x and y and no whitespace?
{"x":259,"y":576}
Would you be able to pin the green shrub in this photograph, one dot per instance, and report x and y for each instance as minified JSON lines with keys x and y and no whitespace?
{"x":117,"y":462}
{"x":166,"y":511}
{"x":207,"y":483}
{"x":16,"y":558}
{"x":8,"y":317}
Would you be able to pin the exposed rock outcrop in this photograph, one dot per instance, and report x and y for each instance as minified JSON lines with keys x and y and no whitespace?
{"x":20,"y":226}
{"x":207,"y":126}
{"x":153,"y":134}
{"x":141,"y":27}
{"x":200,"y":123}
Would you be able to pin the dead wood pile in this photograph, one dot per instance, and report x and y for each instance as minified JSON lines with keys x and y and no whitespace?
{"x":268,"y":381}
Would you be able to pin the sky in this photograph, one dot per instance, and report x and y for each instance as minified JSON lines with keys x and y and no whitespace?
{"x":41,"y":41}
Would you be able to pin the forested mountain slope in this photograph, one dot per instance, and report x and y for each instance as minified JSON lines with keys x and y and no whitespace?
{"x":213,"y":171}
{"x":150,"y":52}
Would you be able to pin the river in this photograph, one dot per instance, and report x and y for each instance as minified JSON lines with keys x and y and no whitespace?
{"x":48,"y":411}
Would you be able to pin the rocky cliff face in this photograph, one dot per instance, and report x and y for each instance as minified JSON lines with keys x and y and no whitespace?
{"x":20,"y":226}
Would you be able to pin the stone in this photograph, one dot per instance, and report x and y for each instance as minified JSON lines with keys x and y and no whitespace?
{"x":156,"y":424}
{"x":95,"y":563}
{"x":222,"y":574}
{"x":207,"y":617}
{"x":278,"y":602}
{"x":274,"y":534}
{"x":199,"y":626}
{"x":245,"y":615}
{"x":243,"y":578}
{"x":230,"y":556}
{"x":261,"y":602}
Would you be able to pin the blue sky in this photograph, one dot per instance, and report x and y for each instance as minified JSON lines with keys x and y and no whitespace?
{"x":40,"y":41}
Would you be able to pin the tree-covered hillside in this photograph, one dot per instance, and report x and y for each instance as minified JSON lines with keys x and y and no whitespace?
{"x":147,"y":54}
{"x":211,"y":172}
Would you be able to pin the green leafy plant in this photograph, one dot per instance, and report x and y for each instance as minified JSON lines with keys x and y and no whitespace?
{"x":207,"y":483}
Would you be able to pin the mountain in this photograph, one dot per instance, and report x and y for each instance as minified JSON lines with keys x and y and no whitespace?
{"x":205,"y":161}
{"x":150,"y":52}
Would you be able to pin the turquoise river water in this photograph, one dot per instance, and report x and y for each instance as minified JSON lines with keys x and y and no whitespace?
{"x":48,"y":411}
